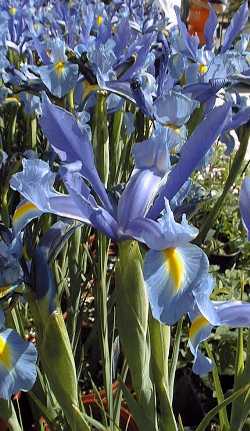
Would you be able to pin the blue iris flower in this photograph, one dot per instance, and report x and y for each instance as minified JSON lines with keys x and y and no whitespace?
{"x":59,"y":76}
{"x":17,"y":362}
{"x":207,"y":314}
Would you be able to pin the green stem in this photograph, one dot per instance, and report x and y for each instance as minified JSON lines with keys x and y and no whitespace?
{"x":115,"y":145}
{"x":224,"y":423}
{"x":102,"y":317}
{"x":175,"y":358}
{"x":7,"y":413}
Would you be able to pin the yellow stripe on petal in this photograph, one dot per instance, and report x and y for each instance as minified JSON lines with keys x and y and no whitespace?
{"x":12,"y":11}
{"x":175,"y":128}
{"x":99,"y":20}
{"x":22,"y":210}
{"x":203,"y":69}
{"x":4,"y":290}
{"x":197,"y":325}
{"x":59,"y":68}
{"x":175,"y":266}
{"x":5,"y":353}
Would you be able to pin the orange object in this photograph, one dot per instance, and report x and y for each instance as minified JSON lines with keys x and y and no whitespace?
{"x":197,"y":17}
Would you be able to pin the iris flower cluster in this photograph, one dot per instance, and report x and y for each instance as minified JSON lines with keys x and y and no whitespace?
{"x":124,"y":50}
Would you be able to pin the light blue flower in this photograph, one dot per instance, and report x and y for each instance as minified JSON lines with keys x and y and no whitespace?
{"x":17,"y":362}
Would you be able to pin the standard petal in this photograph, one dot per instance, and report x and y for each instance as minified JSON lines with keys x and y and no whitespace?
{"x":236,"y":25}
{"x":170,"y":276}
{"x":210,"y":27}
{"x":191,"y":154}
{"x":137,"y":196}
{"x":153,"y":153}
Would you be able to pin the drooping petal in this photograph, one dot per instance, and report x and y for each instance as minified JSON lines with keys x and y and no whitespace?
{"x":24,"y":213}
{"x":203,"y":91}
{"x":71,"y":144}
{"x":174,"y":109}
{"x":236,"y":25}
{"x":170,"y":276}
{"x":59,"y":78}
{"x":245,"y":204}
{"x":17,"y":364}
{"x":192,"y":153}
{"x":234,"y":314}
{"x":35,"y":184}
{"x":199,"y":331}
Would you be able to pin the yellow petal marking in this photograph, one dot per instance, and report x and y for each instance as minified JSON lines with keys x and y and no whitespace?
{"x":203,"y":69}
{"x":12,"y":11}
{"x":198,"y":323}
{"x":4,"y":290}
{"x":5,"y":353}
{"x":24,"y":209}
{"x":99,"y":20}
{"x":175,"y":128}
{"x":175,"y":266}
{"x":59,"y":68}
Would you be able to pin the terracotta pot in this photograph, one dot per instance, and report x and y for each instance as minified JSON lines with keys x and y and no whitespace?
{"x":90,"y":401}
{"x":197,"y":17}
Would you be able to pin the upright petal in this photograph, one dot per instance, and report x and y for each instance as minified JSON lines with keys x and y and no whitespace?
{"x":245,"y":204}
{"x":236,"y":25}
{"x":210,"y":27}
{"x":191,"y":42}
{"x":153,"y":153}
{"x":137,"y":196}
{"x":191,"y":154}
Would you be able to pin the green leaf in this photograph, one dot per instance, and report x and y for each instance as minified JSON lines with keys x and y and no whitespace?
{"x":142,"y":420}
{"x":212,"y":413}
{"x":224,"y":423}
{"x":58,"y":363}
{"x":132,"y":320}
{"x":7,"y":412}
{"x":160,"y":342}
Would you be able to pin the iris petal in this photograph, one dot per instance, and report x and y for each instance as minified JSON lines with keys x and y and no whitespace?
{"x":17,"y":364}
{"x":170,"y":276}
{"x":245,"y":204}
